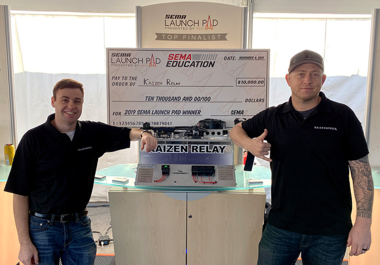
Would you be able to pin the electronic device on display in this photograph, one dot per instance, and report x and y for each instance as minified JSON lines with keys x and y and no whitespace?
{"x":196,"y":155}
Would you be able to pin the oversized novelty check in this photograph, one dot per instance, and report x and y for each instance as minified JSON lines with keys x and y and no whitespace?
{"x":181,"y":87}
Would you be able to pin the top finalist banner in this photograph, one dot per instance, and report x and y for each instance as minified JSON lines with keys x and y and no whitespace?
{"x":181,"y":87}
{"x":194,"y":25}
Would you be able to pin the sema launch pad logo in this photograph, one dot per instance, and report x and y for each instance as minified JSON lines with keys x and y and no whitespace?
{"x":190,"y":26}
{"x":181,"y":22}
{"x":126,"y":59}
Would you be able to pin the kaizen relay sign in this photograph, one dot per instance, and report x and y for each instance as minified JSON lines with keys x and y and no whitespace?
{"x":180,"y":87}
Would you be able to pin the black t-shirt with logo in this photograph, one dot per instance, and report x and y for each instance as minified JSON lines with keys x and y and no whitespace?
{"x":310,"y":173}
{"x":58,"y":174}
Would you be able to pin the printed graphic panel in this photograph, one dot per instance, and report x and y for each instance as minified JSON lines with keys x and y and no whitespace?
{"x":192,"y":25}
{"x":181,"y":87}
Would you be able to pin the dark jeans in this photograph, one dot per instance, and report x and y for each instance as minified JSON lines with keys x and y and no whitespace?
{"x":281,"y":247}
{"x":72,"y":242}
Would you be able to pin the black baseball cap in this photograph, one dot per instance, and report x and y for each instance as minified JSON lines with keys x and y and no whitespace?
{"x":303,"y":57}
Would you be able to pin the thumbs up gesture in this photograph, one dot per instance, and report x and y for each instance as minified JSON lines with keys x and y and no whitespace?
{"x":259,"y":148}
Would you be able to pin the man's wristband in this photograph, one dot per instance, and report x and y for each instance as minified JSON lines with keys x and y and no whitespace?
{"x":146,"y":132}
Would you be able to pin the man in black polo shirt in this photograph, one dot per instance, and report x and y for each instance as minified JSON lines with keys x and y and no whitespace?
{"x":53,"y":175}
{"x":313,"y":142}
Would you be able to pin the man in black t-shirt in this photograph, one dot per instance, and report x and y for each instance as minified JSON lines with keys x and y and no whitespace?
{"x":313,"y":143}
{"x":53,"y":175}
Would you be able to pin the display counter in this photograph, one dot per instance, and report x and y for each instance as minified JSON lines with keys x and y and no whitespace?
{"x":186,"y":225}
{"x":147,"y":220}
{"x":4,"y":172}
{"x":242,"y":177}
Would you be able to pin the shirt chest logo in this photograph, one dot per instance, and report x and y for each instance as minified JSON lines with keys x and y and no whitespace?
{"x":325,"y":128}
{"x":84,"y":148}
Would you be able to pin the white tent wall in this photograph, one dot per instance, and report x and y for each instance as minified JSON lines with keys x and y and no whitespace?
{"x":343,"y":42}
{"x":262,"y":6}
{"x":6,"y":80}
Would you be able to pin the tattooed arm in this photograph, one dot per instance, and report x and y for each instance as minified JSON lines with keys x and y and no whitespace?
{"x":360,"y":235}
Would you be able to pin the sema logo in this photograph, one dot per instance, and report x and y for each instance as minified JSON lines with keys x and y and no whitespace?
{"x":178,"y":57}
{"x":191,"y":60}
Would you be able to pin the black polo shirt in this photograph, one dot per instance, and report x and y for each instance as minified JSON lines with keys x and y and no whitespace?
{"x":310,"y":174}
{"x":58,"y":174}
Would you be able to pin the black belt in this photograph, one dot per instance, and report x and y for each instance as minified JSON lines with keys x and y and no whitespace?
{"x":63,"y":218}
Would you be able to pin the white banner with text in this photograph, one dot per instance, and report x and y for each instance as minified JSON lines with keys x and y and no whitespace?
{"x":192,"y":25}
{"x":181,"y":87}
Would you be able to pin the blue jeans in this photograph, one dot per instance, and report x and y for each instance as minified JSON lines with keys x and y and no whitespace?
{"x":282,"y":247}
{"x":72,"y":241}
